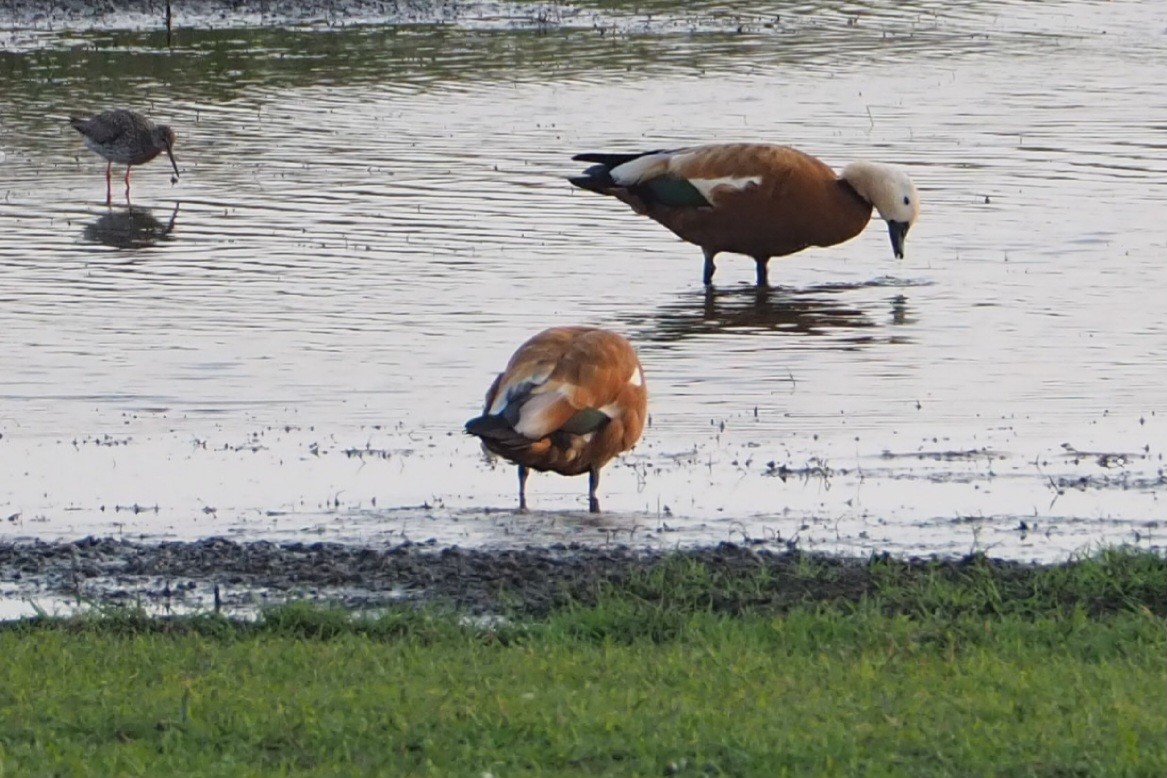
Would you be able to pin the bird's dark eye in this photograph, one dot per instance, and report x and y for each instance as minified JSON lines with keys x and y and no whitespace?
{"x":907,"y":201}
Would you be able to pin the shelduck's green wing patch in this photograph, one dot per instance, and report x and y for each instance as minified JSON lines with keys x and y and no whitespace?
{"x":585,"y":421}
{"x":673,"y":191}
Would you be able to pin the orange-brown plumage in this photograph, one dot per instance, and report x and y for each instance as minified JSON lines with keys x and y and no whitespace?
{"x":570,"y":399}
{"x":758,"y":199}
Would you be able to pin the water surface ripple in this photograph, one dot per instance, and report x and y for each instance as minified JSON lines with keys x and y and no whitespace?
{"x":372,"y":216}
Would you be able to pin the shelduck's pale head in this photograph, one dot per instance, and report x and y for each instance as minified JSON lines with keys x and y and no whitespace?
{"x":891,"y":192}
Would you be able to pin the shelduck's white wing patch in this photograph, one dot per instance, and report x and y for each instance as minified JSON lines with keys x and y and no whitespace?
{"x":535,"y":419}
{"x":611,"y":410}
{"x":532,"y":422}
{"x":518,"y":387}
{"x":641,"y":168}
{"x":706,"y":185}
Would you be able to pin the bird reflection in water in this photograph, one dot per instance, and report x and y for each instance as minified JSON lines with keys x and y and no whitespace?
{"x":900,"y":311}
{"x":818,"y":310}
{"x":130,"y":228}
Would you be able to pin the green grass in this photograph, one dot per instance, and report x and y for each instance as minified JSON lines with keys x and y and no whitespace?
{"x":680,"y":671}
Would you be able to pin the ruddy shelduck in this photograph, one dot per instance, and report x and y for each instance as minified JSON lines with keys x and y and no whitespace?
{"x":757,"y":199}
{"x":570,"y":399}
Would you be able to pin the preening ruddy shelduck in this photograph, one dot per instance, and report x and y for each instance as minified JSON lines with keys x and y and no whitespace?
{"x":757,"y":199}
{"x":570,"y":399}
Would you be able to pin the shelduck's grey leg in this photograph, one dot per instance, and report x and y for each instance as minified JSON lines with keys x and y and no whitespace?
{"x":593,"y":484}
{"x":523,"y":472}
{"x":710,"y":268}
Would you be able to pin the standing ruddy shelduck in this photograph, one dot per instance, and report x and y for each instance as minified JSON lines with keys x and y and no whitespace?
{"x":127,"y":138}
{"x":757,"y":199}
{"x":570,"y":399}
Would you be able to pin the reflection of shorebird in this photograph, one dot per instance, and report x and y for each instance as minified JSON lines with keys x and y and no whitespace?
{"x":570,"y":399}
{"x":127,"y":138}
{"x":757,"y":199}
{"x":133,"y":228}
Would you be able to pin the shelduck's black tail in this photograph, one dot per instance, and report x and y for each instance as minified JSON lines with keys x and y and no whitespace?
{"x":498,"y":434}
{"x":611,"y":160}
{"x":598,"y":177}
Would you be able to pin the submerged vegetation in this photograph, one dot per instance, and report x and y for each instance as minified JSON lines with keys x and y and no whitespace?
{"x":683,"y":668}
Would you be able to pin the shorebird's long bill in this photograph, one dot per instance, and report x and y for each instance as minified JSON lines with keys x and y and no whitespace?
{"x":898,"y":231}
{"x":170,"y":154}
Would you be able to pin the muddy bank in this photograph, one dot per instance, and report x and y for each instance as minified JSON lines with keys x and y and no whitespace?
{"x":148,"y":14}
{"x":531,"y":581}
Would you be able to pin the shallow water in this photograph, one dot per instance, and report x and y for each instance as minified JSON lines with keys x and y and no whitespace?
{"x":371,"y":218}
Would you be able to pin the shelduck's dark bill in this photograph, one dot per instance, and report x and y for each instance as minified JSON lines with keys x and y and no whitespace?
{"x":898,"y":231}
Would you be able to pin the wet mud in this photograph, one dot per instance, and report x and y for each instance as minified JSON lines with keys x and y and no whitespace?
{"x":220,"y":573}
{"x":147,"y":14}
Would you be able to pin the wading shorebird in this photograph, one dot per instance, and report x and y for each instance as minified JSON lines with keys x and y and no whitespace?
{"x":127,"y":138}
{"x":570,"y":399}
{"x":757,"y":199}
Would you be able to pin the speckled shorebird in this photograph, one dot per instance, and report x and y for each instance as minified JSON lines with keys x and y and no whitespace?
{"x":127,"y":138}
{"x":757,"y":199}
